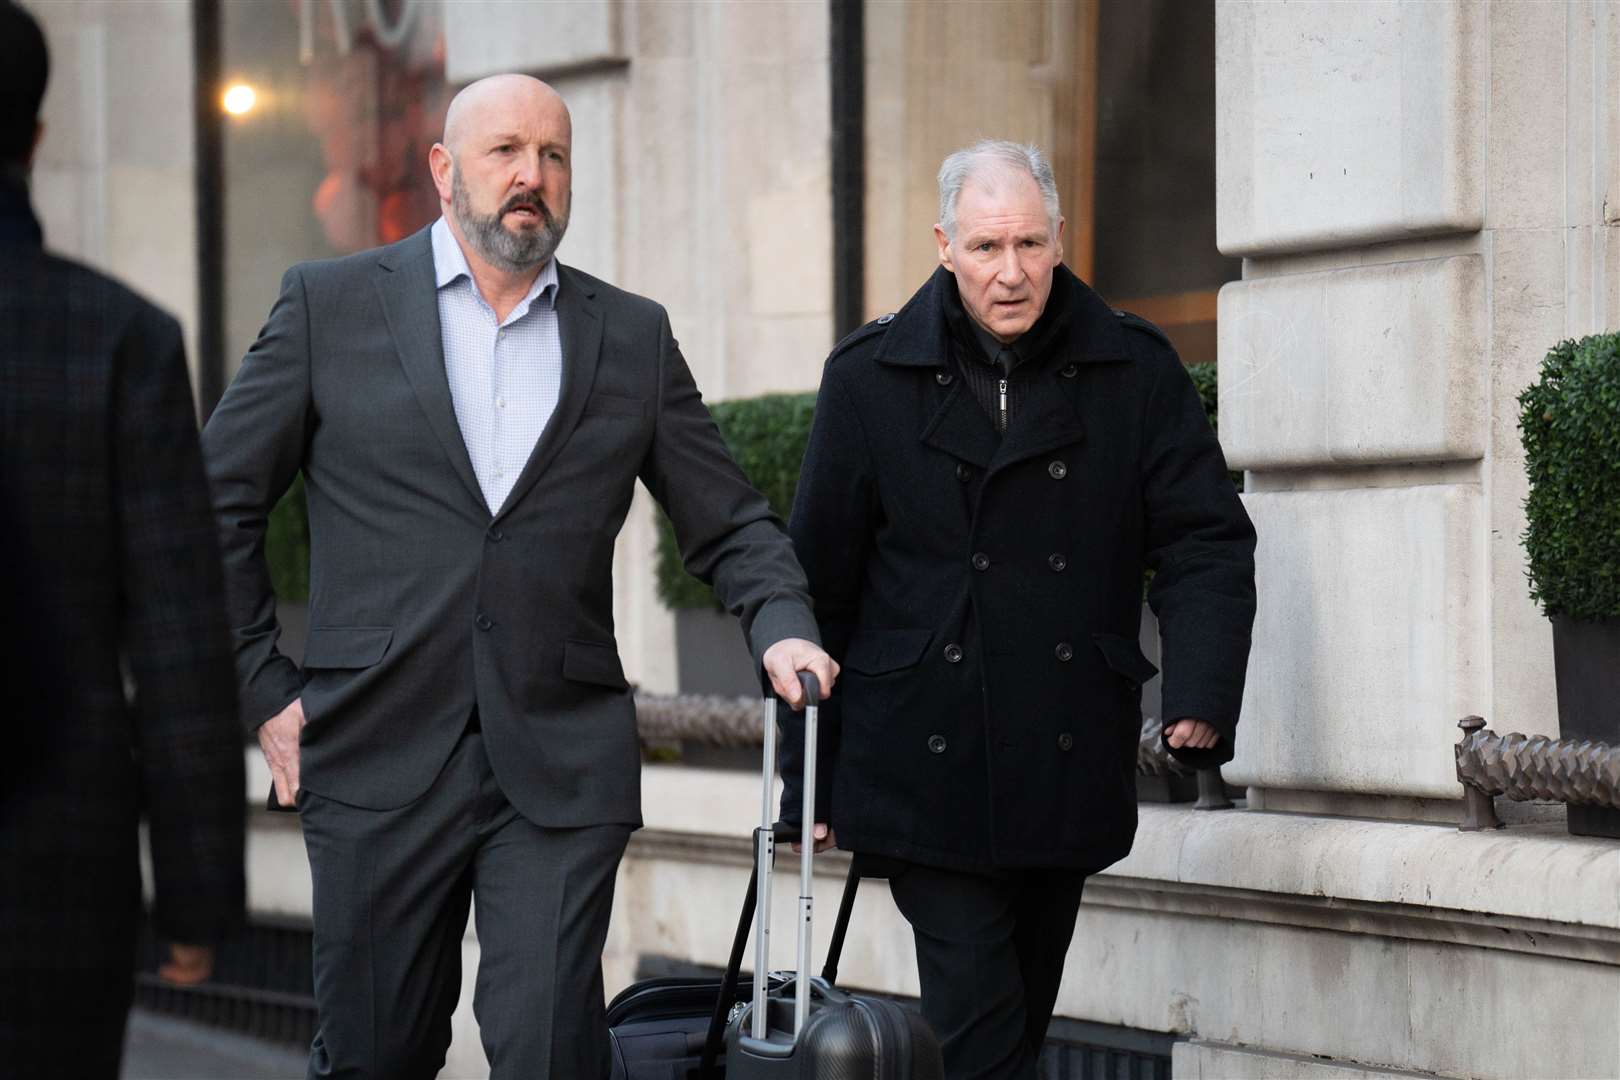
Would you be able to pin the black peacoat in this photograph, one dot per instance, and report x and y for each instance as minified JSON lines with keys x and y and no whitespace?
{"x":983,"y":593}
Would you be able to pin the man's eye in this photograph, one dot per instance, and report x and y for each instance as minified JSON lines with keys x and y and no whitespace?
{"x":504,"y":148}
{"x":984,"y":246}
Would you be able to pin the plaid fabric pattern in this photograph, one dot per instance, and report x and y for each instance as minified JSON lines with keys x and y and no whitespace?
{"x":504,"y":374}
{"x":111,"y":578}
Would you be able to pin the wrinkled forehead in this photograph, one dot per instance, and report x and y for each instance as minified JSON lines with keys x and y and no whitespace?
{"x":1000,"y":197}
{"x":527,"y":110}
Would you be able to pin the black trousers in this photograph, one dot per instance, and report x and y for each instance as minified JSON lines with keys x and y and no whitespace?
{"x":392,"y":893}
{"x":990,"y":952}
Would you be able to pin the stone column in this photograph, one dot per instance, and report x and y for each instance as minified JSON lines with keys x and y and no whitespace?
{"x":1418,"y":192}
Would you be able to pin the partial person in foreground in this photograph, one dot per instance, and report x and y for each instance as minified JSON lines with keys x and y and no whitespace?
{"x":471,"y":417}
{"x":109,"y":562}
{"x":989,"y":474}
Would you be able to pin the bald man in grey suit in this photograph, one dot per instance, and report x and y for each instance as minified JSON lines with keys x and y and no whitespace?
{"x":470,"y":418}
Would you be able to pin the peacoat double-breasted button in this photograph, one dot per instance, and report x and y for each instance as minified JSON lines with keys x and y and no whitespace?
{"x":483,"y":622}
{"x":953,"y":653}
{"x":1057,"y":470}
{"x":1057,"y":562}
{"x":1070,"y":370}
{"x":944,"y":378}
{"x":936,"y":744}
{"x":1064,"y":651}
{"x":1065,"y":741}
{"x":981,"y":561}
{"x":963,"y":473}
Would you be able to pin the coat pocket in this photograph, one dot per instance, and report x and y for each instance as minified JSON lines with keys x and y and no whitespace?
{"x":878,"y":652}
{"x":351,"y":647}
{"x":594,"y":662}
{"x":600,"y":404}
{"x":1124,"y":656}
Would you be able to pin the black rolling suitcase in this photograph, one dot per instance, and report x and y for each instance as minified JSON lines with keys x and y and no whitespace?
{"x":794,"y":1025}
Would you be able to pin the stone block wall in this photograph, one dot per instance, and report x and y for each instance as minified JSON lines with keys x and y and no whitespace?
{"x":1420,"y":192}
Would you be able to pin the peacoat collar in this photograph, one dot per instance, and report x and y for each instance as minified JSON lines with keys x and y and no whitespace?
{"x":919,"y":335}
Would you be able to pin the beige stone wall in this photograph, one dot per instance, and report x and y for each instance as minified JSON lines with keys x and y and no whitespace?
{"x":1421,"y":192}
{"x":113,"y":181}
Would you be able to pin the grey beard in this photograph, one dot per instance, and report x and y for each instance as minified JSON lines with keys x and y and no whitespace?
{"x":513,"y":252}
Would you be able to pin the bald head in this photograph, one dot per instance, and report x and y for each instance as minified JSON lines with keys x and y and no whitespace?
{"x":500,"y":100}
{"x":504,"y":171}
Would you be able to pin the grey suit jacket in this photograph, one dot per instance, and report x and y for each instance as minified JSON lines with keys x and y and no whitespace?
{"x":423,"y":604}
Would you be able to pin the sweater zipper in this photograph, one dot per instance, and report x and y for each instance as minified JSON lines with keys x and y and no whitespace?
{"x":1002,"y":426}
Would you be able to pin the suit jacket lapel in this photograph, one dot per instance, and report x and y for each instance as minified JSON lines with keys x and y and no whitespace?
{"x":579,"y":325}
{"x":410,"y":304}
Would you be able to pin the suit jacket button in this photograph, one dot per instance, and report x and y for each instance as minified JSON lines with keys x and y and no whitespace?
{"x":953,"y":653}
{"x":981,"y":561}
{"x":944,"y":378}
{"x":1057,"y":562}
{"x":483,"y":622}
{"x":963,"y":473}
{"x":936,"y":744}
{"x":1065,"y":741}
{"x":1058,"y":470}
{"x":1064,"y":651}
{"x":495,"y":535}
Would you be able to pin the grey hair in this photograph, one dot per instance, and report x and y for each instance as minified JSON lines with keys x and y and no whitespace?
{"x":994,"y":154}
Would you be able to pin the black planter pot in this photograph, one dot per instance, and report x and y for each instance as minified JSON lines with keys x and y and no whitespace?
{"x":1586,"y":664}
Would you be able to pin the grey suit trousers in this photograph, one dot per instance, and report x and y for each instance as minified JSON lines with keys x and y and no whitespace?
{"x":392,"y":893}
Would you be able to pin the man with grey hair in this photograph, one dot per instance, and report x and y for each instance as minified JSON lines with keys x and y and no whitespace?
{"x":990,"y":472}
{"x":471,"y":418}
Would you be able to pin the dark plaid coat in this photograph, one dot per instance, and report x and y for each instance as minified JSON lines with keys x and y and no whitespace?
{"x":984,"y":593}
{"x":106,"y":549}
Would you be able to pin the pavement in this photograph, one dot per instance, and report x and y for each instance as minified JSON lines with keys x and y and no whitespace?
{"x":160,"y":1047}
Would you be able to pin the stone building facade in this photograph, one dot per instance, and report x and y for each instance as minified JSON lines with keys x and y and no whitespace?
{"x":1404,"y":204}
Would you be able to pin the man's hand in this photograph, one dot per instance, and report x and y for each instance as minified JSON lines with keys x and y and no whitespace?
{"x":788,"y":657}
{"x":1190,"y":734}
{"x":188,"y":965}
{"x":824,"y":839}
{"x":278,"y":738}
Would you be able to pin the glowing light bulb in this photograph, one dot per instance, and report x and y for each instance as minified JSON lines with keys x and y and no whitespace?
{"x":240,"y":99}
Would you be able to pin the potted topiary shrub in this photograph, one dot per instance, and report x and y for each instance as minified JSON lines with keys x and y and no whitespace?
{"x":1570,"y":421}
{"x":767,"y":435}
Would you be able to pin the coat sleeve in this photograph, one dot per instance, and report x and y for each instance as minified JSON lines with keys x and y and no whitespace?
{"x":831,"y":526}
{"x":1200,"y":545}
{"x":728,"y":537}
{"x":254,"y":445}
{"x":188,"y":747}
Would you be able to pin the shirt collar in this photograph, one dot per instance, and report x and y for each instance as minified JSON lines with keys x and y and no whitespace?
{"x":450,"y":263}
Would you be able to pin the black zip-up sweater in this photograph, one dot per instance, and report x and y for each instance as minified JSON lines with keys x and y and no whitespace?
{"x":983,"y":362}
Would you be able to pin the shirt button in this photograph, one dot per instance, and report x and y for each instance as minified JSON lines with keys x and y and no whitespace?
{"x":963,"y":473}
{"x":1058,"y":470}
{"x":1064,"y":651}
{"x":500,"y":335}
{"x":953,"y":653}
{"x":483,"y":622}
{"x":500,"y":403}
{"x":498,"y":473}
{"x":944,"y":378}
{"x":1057,"y":562}
{"x":1065,"y":741}
{"x":936,"y":744}
{"x":981,"y":561}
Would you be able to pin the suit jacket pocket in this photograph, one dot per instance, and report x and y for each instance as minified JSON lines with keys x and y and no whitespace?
{"x":878,"y":652}
{"x":595,"y":662}
{"x":614,"y":405}
{"x":352,"y":647}
{"x":1124,"y":655}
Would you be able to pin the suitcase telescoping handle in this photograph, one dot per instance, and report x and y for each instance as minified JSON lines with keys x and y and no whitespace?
{"x":764,"y":852}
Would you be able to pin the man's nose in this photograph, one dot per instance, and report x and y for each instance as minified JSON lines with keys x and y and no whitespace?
{"x":1009,"y":270}
{"x":528,"y":170}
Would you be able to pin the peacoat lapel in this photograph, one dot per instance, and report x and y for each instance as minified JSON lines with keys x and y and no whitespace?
{"x":579,"y":324}
{"x":408,"y":293}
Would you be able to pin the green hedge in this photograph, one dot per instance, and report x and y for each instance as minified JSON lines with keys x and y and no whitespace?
{"x":1570,"y":421}
{"x":286,"y":545}
{"x":767,"y":436}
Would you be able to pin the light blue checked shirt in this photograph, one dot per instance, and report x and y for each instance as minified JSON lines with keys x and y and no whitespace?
{"x":504,"y":376}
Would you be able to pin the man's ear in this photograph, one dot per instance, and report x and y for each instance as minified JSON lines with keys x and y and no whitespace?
{"x":1061,"y":222}
{"x":440,"y":164}
{"x":944,"y":243}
